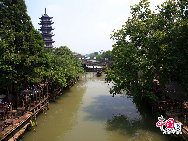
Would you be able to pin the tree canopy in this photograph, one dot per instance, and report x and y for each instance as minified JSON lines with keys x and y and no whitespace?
{"x":22,"y":55}
{"x":151,"y":47}
{"x":23,"y":60}
{"x":63,"y":68}
{"x":107,"y":55}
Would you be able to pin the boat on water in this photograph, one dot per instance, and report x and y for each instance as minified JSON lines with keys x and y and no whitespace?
{"x":99,"y":73}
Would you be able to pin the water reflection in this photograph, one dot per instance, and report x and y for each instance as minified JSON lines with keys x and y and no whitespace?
{"x":141,"y":129}
{"x":105,"y":107}
{"x":127,"y":126}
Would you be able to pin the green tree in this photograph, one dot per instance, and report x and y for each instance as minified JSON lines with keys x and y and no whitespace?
{"x":23,"y":61}
{"x":63,"y":69}
{"x":150,"y":47}
{"x":63,"y":50}
{"x":22,"y":56}
{"x":105,"y":55}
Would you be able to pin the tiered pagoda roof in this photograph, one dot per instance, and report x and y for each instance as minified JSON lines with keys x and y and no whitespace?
{"x":46,"y":30}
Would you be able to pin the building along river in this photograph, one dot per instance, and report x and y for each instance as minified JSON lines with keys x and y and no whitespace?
{"x":87,"y":112}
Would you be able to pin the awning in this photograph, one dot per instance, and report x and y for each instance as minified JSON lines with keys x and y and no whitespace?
{"x":30,"y":91}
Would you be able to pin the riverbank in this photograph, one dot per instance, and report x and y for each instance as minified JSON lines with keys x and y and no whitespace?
{"x":17,"y":125}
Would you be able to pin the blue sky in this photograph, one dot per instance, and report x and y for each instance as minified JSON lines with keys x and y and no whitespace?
{"x":84,"y":25}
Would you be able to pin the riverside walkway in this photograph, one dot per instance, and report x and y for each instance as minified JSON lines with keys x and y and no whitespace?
{"x":18,"y":126}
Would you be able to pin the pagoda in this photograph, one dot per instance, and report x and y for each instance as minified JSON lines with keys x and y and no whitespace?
{"x":46,"y":30}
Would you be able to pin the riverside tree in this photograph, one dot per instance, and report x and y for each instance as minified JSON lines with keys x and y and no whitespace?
{"x":105,"y":55}
{"x":63,"y":69}
{"x":151,"y":47}
{"x":23,"y":61}
{"x":22,"y":57}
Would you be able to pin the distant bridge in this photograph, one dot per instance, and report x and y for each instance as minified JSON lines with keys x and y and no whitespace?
{"x":92,"y":65}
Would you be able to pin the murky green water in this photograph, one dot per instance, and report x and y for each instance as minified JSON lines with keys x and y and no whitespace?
{"x":87,"y":112}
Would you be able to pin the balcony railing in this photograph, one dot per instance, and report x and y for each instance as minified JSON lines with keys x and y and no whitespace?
{"x":48,"y":39}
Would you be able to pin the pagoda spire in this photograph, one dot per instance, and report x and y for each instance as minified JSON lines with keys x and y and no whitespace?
{"x":46,"y":30}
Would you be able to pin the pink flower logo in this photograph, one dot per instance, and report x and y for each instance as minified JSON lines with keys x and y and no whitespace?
{"x":170,"y":123}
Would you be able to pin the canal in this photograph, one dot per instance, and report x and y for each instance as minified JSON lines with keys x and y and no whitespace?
{"x":87,"y":112}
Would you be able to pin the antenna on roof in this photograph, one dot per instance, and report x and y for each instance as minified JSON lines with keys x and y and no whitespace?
{"x":45,"y":10}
